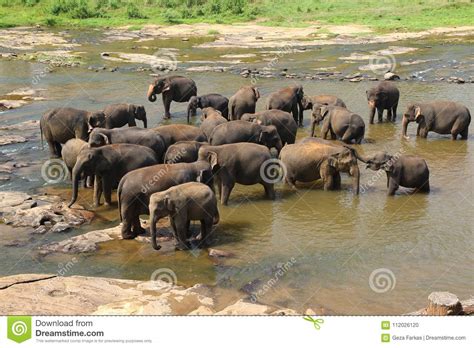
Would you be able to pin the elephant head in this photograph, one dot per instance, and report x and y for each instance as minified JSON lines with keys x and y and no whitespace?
{"x":139,"y":113}
{"x":346,"y":161}
{"x":255,"y":91}
{"x":249,"y":117}
{"x":375,"y":97}
{"x":160,"y":85}
{"x":270,"y":138}
{"x":320,"y":111}
{"x":160,"y":206}
{"x":413,"y":113}
{"x":306,"y":102}
{"x":299,"y":93}
{"x":193,"y":105}
{"x":97,"y":138}
{"x":95,"y":120}
{"x":210,"y":112}
{"x":89,"y":161}
{"x":380,"y":160}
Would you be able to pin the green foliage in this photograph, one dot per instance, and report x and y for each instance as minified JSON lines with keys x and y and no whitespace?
{"x":133,"y":12}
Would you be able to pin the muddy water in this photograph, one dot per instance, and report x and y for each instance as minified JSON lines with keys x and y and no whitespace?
{"x":331,"y":242}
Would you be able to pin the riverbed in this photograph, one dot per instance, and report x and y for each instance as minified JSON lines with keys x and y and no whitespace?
{"x":330,"y":242}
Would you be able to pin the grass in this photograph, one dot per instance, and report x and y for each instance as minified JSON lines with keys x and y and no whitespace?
{"x":401,"y":15}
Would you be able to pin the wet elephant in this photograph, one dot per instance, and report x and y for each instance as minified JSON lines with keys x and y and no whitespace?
{"x":289,"y":100}
{"x":282,"y":120}
{"x":183,"y":151}
{"x":118,"y":115}
{"x":244,"y":100}
{"x":324,"y":99}
{"x":69,"y":154}
{"x":442,"y":117}
{"x":211,"y":118}
{"x":382,"y":97}
{"x":61,"y":124}
{"x":173,"y":133}
{"x":213,"y":100}
{"x":184,"y":203}
{"x":172,"y":88}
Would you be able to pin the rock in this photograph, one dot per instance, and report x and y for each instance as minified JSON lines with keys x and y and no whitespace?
{"x":105,"y":54}
{"x":60,"y":227}
{"x":285,"y":312}
{"x":243,"y":307}
{"x":443,"y":303}
{"x":27,"y":125}
{"x":356,"y":79}
{"x":390,"y":76}
{"x":220,"y":253}
{"x":203,"y":310}
{"x":40,"y":230}
{"x":12,"y":200}
{"x":468,"y":306}
{"x":258,"y":37}
{"x":185,"y":39}
{"x":11,"y":139}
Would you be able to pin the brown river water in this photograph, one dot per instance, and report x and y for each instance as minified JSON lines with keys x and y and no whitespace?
{"x":329,"y":242}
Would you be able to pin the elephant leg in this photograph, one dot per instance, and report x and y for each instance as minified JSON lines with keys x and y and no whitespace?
{"x":464,"y":133}
{"x":58,"y":149}
{"x":181,"y":232}
{"x":425,"y":187}
{"x":227,"y":186}
{"x":294,"y":111}
{"x":424,"y":132}
{"x":107,"y":188}
{"x":392,"y":187}
{"x":333,"y":135}
{"x":127,"y":232}
{"x":206,"y":229}
{"x":380,"y":114}
{"x":97,"y":190}
{"x":418,"y":130}
{"x":167,"y":103}
{"x":328,"y":181}
{"x":394,"y":112}
{"x":371,"y":115}
{"x":347,"y":137}
{"x":336,"y":181}
{"x":137,"y":227}
{"x":269,"y":190}
{"x":389,"y":114}
{"x":290,"y":180}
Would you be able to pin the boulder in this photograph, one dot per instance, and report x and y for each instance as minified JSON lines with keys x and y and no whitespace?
{"x":443,"y":303}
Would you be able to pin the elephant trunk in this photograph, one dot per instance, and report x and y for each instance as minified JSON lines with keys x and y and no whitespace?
{"x":313,"y":126}
{"x":355,"y":173}
{"x":145,"y":121}
{"x":191,"y":111}
{"x":76,"y":174}
{"x":151,"y":93}
{"x":153,"y":222}
{"x":405,"y":122}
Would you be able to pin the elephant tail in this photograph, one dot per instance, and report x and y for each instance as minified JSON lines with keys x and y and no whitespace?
{"x":231,"y":108}
{"x":216,"y":218}
{"x":119,"y":193}
{"x":41,"y":131}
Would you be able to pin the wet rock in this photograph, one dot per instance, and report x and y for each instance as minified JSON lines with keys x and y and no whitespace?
{"x":243,"y":307}
{"x":12,"y":201}
{"x":454,"y":79}
{"x":356,"y":79}
{"x":220,"y":253}
{"x":390,"y":76}
{"x":207,"y":68}
{"x":285,"y":312}
{"x":105,"y":54}
{"x":443,"y":303}
{"x":60,"y":227}
{"x":11,"y":139}
{"x":40,"y":230}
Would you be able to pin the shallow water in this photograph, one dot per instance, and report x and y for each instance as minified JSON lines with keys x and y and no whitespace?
{"x":331,"y":242}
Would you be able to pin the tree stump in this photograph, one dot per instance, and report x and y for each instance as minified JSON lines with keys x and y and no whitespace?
{"x":443,"y":303}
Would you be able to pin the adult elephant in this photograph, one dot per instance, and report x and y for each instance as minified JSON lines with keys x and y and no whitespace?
{"x":133,"y":135}
{"x":61,"y":124}
{"x":288,"y":99}
{"x":211,"y":118}
{"x":183,"y":151}
{"x":172,"y":133}
{"x":241,"y":163}
{"x":442,"y":117}
{"x":136,"y":187}
{"x":118,"y":115}
{"x":324,"y":99}
{"x":314,"y":159}
{"x":282,"y":120}
{"x":183,"y":204}
{"x":244,"y":100}
{"x":339,"y":122}
{"x":109,"y":164}
{"x":213,"y":100}
{"x":242,"y":131}
{"x":404,"y":170}
{"x":172,"y":88}
{"x":382,"y":97}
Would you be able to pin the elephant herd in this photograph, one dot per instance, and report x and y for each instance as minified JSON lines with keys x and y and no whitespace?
{"x":172,"y":170}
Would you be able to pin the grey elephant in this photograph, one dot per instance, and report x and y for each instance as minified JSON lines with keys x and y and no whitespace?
{"x":136,"y":187}
{"x":243,"y":131}
{"x":172,"y":133}
{"x":288,"y":99}
{"x":282,"y":120}
{"x":314,"y":158}
{"x":341,"y":123}
{"x":244,"y":100}
{"x":69,"y":153}
{"x":241,"y":163}
{"x":213,"y":100}
{"x":118,"y":115}
{"x":382,"y":97}
{"x":108,"y":164}
{"x":133,"y":135}
{"x":442,"y":117}
{"x":184,"y":203}
{"x":403,"y":170}
{"x":61,"y":124}
{"x":324,"y":99}
{"x":211,"y":118}
{"x":172,"y":88}
{"x":183,"y":151}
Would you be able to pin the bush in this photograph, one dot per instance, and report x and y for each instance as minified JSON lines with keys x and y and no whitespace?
{"x":77,"y":9}
{"x":133,"y":12}
{"x":171,"y":16}
{"x":50,"y":21}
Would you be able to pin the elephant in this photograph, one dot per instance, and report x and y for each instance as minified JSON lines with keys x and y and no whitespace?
{"x":382,"y":97}
{"x":314,"y":159}
{"x":183,"y":151}
{"x":289,"y":100}
{"x":340,"y":122}
{"x":442,"y":117}
{"x":61,"y":124}
{"x":173,"y":88}
{"x":244,"y":100}
{"x":136,"y":187}
{"x":109,"y":164}
{"x":282,"y":120}
{"x":69,"y":153}
{"x":324,"y":99}
{"x":133,"y":135}
{"x":403,"y":170}
{"x":184,"y":203}
{"x":118,"y":115}
{"x":241,"y":163}
{"x":242,"y":131}
{"x":173,"y":133}
{"x":214,"y":100}
{"x":210,"y":118}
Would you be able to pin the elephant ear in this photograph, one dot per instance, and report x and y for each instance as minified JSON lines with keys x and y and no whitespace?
{"x":332,"y":161}
{"x":257,"y":92}
{"x":105,"y":139}
{"x":212,"y":158}
{"x":418,"y":113}
{"x":169,"y":204}
{"x":263,"y":136}
{"x":388,"y":164}
{"x":324,"y":111}
{"x":166,"y":85}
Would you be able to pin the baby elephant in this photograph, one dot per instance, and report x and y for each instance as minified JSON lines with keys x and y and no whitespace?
{"x":118,"y":115}
{"x":184,"y":203}
{"x":340,"y":122}
{"x":404,"y":170}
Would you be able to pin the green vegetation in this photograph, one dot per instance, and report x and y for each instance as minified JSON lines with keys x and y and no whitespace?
{"x":381,"y":15}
